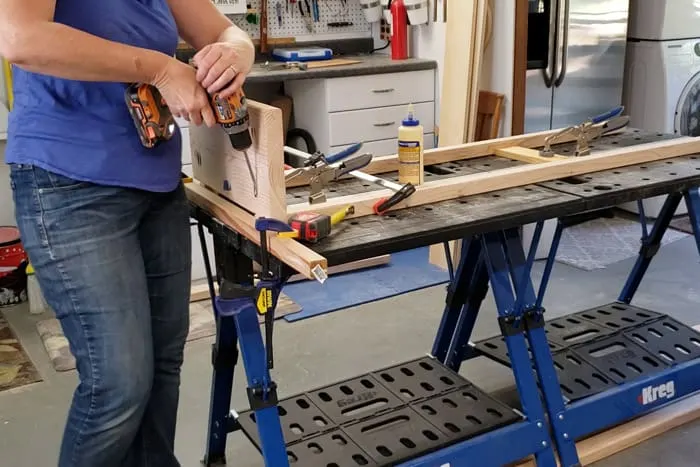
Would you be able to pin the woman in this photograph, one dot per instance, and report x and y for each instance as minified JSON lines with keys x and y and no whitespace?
{"x":103,"y":219}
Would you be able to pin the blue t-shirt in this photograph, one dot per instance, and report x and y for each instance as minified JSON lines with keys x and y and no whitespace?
{"x":83,"y":130}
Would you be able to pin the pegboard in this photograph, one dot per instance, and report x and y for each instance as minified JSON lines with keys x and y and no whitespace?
{"x":294,"y":24}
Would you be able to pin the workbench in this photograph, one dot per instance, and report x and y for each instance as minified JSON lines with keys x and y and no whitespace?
{"x":422,"y":412}
{"x":313,"y":113}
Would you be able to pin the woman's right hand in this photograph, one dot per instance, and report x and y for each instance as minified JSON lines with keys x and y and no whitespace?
{"x":186,"y":98}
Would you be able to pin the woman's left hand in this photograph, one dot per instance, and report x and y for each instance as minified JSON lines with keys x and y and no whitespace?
{"x":223,"y":66}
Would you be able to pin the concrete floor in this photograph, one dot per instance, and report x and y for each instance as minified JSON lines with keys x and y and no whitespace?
{"x":328,"y":348}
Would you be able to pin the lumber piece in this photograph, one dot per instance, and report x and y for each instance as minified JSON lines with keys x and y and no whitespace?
{"x":349,"y":267}
{"x":473,"y":150}
{"x":294,"y":254}
{"x":218,"y":165}
{"x":478,"y":41}
{"x":531,"y":156}
{"x":474,"y":184}
{"x":627,"y":435}
{"x":457,"y":73}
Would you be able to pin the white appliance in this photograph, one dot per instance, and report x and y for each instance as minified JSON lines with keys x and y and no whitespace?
{"x":659,"y":20}
{"x":662,"y":93}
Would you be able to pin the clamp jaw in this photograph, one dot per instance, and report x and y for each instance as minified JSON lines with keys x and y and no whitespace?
{"x":588,"y":131}
{"x":322,"y":171}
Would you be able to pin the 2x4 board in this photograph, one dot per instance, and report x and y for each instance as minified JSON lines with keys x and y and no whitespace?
{"x":223,"y":175}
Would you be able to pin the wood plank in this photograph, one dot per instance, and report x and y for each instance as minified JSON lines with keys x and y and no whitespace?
{"x":478,"y":41}
{"x":440,"y":155}
{"x":457,"y":70}
{"x":531,"y":156}
{"x":294,"y":254}
{"x":474,"y":184}
{"x":216,"y":164}
{"x":519,"y":68}
{"x":332,"y":62}
{"x":617,"y":439}
{"x":436,"y":253}
{"x":351,"y":266}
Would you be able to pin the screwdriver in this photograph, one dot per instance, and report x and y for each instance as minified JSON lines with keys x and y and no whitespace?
{"x":278,"y":9}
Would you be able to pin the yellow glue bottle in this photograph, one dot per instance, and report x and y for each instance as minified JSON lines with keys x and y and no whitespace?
{"x":410,"y":150}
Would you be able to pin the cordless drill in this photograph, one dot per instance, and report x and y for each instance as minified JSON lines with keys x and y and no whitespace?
{"x":232,"y":115}
{"x":155,"y":123}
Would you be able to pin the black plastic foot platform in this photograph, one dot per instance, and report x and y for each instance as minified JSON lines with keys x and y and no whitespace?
{"x":385,"y":417}
{"x":596,"y":349}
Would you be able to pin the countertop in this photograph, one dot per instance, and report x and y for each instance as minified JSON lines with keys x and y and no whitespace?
{"x":369,"y":65}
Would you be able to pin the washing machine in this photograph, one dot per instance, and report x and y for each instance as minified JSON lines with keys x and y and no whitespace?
{"x":661,"y":90}
{"x":659,"y":20}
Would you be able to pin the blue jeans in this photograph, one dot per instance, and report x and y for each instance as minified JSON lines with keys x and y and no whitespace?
{"x":114,"y":264}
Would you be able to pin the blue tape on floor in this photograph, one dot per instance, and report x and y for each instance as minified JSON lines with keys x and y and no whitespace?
{"x":407,"y":271}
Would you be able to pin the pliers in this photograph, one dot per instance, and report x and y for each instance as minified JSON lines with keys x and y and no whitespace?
{"x":321,"y":172}
{"x":307,"y":16}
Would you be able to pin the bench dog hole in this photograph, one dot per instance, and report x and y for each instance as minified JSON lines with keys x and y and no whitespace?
{"x":359,"y":458}
{"x":364,"y":406}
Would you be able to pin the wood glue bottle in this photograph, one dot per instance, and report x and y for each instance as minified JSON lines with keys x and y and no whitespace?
{"x":410,"y":150}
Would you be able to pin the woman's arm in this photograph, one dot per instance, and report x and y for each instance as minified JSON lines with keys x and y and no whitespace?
{"x":225,"y":52}
{"x":31,"y":40}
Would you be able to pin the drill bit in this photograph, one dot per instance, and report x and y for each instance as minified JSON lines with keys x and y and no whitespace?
{"x":253,"y":173}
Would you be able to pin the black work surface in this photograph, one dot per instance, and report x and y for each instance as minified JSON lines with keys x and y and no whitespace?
{"x":419,"y":226}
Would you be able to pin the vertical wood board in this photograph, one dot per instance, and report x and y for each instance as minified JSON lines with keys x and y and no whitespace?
{"x":216,"y":164}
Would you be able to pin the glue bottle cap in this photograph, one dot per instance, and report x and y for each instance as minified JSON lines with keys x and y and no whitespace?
{"x":410,"y":120}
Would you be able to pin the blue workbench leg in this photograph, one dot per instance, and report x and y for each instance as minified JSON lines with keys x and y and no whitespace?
{"x":262,"y":391}
{"x":651,"y":244}
{"x":224,"y":350}
{"x":457,"y":294}
{"x":525,"y":306}
{"x":475,"y":294}
{"x":224,"y":356}
{"x":513,"y":330}
{"x":692,"y":201}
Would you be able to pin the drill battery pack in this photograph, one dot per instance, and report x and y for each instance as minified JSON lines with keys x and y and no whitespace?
{"x":152,"y":118}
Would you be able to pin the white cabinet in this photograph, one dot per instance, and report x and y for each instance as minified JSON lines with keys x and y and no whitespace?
{"x":368,"y":109}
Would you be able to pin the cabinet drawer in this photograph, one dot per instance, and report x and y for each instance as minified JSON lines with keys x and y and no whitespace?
{"x":361,"y":92}
{"x":387,"y":147}
{"x":375,"y":124}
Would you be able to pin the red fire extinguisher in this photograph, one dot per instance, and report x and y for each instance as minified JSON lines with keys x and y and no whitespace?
{"x":399,"y":30}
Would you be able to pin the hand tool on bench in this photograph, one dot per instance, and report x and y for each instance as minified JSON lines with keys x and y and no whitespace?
{"x":276,"y":66}
{"x":312,"y":227}
{"x":321,"y":172}
{"x":589,"y":130}
{"x":401,"y":192}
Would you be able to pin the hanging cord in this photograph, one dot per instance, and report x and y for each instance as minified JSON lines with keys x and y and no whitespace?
{"x":388,"y":41}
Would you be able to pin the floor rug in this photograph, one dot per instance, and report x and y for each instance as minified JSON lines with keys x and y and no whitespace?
{"x":682,"y":223}
{"x":407,"y":271}
{"x":16,"y":369}
{"x":598,"y":243}
{"x":201,"y":326}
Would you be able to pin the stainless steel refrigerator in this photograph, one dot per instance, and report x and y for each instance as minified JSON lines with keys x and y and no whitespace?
{"x":576,"y":57}
{"x":575,"y":61}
